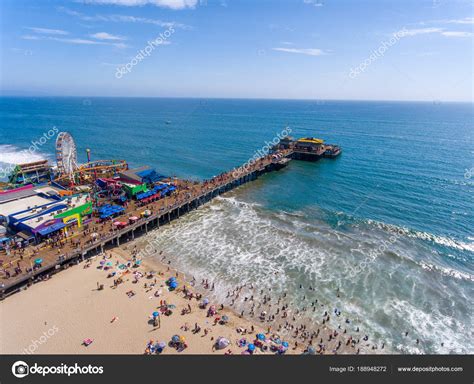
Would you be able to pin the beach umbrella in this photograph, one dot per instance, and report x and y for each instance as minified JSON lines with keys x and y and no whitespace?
{"x":156,"y":314}
{"x":222,"y":343}
{"x":225,"y":318}
{"x":173,"y":284}
{"x":38,"y":261}
{"x":285,"y":344}
{"x":161,"y":345}
{"x":109,"y":264}
{"x":102,"y":262}
{"x":205,"y":301}
{"x":311,"y":351}
{"x":261,"y":336}
{"x":175,"y":339}
{"x":251,"y":347}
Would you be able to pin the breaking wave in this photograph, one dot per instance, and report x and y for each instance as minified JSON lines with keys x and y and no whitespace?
{"x":384,"y":291}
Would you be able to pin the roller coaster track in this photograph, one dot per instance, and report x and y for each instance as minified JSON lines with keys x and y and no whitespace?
{"x":97,"y":168}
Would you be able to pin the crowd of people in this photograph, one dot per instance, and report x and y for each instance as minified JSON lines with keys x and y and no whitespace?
{"x":16,"y":260}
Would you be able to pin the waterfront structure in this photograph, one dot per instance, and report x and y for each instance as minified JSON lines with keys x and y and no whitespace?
{"x":307,"y":148}
{"x":155,"y":203}
{"x":36,"y":172}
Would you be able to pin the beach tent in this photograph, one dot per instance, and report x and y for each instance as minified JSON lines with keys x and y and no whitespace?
{"x":310,"y":351}
{"x":175,"y":339}
{"x":108,"y":210}
{"x":222,"y":343}
{"x":150,"y":176}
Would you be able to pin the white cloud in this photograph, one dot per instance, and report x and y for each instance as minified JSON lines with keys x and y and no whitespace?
{"x":106,"y":36}
{"x":418,"y":31}
{"x":457,"y":34}
{"x":286,"y":42}
{"x":120,"y":45}
{"x":466,"y":20}
{"x":47,"y":31}
{"x":440,"y":31}
{"x":78,"y":41}
{"x":143,"y":20}
{"x":303,"y":51}
{"x":122,"y":18}
{"x":171,"y":4}
{"x":316,"y":3}
{"x":30,"y":37}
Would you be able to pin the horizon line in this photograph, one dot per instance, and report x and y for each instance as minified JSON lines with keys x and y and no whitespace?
{"x":238,"y":98}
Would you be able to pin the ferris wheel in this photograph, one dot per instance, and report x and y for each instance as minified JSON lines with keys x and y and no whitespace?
{"x":66,"y":154}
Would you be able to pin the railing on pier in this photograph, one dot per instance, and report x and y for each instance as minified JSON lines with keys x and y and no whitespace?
{"x":195,"y":201}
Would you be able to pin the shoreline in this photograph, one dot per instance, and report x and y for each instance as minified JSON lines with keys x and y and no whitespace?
{"x":188,"y":196}
{"x":80,"y":311}
{"x":287,"y":325}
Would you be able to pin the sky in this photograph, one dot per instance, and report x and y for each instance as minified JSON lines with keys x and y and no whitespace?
{"x":289,"y":49}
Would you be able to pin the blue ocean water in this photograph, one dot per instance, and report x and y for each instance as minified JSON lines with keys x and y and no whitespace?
{"x":389,"y":223}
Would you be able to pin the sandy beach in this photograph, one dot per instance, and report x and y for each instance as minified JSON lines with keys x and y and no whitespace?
{"x":57,"y":315}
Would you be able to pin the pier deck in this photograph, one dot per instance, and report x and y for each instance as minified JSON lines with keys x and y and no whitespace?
{"x":80,"y":244}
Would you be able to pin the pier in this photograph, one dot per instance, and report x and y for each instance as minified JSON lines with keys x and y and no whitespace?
{"x":189,"y":197}
{"x":96,"y":237}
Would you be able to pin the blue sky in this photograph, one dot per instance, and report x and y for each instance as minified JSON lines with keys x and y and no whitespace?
{"x":301,"y":49}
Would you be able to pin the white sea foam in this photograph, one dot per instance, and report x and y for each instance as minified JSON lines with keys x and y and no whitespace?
{"x":447,"y":271}
{"x":430,"y":327}
{"x":10,"y":154}
{"x":233,"y":242}
{"x":440,"y":240}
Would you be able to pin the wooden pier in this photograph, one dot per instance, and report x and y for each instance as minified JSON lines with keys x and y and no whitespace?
{"x":207,"y":192}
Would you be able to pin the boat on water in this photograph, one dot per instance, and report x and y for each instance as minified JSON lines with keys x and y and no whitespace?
{"x":332,"y":151}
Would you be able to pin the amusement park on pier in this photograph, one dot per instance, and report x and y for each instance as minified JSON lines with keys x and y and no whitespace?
{"x":51,"y":216}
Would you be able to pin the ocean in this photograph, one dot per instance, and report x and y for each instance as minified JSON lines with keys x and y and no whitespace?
{"x":384,"y":233}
